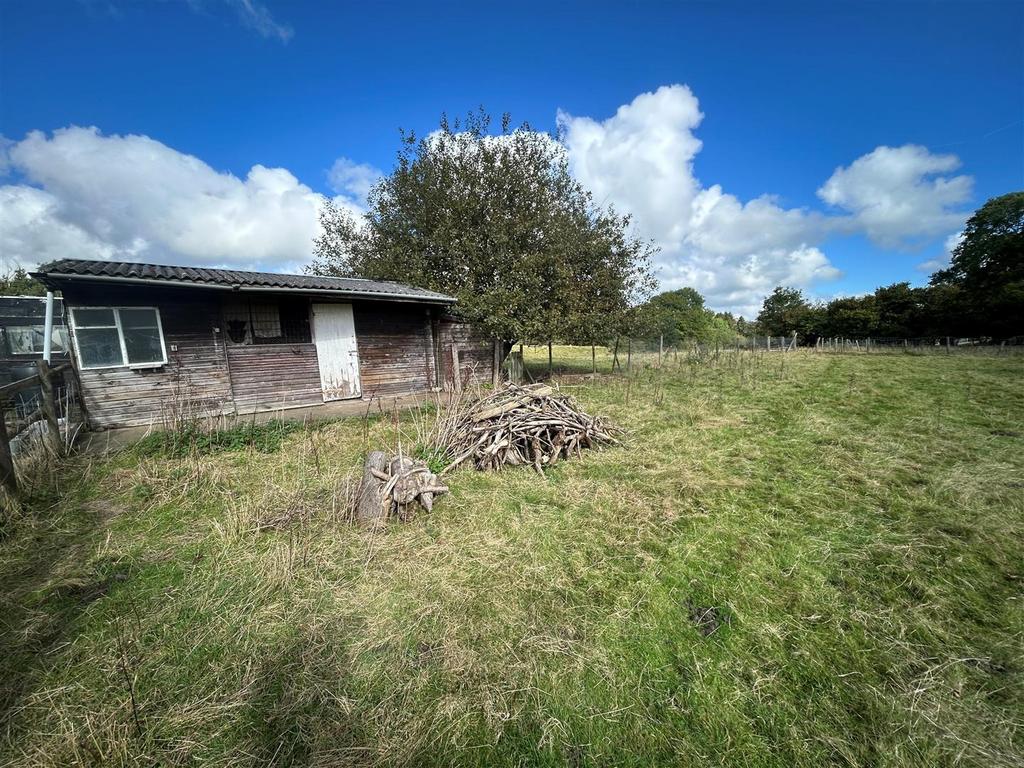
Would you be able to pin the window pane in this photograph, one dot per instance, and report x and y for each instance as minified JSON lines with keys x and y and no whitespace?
{"x":99,"y":347}
{"x":20,"y":339}
{"x":266,"y":322}
{"x":85,"y":318}
{"x":138,"y":318}
{"x":28,"y":339}
{"x":143,"y":345}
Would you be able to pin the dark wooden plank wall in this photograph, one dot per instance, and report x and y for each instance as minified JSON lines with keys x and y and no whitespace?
{"x":274,"y":376}
{"x":195,"y":379}
{"x":207,"y":374}
{"x":476,"y":352}
{"x":395,"y":348}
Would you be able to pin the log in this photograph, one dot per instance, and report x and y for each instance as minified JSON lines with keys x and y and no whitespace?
{"x":370,"y":508}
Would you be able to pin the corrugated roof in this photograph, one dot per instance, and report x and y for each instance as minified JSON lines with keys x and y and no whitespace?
{"x":62,"y":269}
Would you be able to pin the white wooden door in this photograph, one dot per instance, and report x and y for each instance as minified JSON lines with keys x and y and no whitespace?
{"x":335,"y":332}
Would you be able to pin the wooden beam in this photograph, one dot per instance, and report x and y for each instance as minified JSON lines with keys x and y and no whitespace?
{"x":7,"y":477}
{"x":456,"y":369}
{"x":50,"y":408}
{"x":28,"y":382}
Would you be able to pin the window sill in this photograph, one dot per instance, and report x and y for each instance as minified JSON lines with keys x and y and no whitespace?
{"x":139,"y":367}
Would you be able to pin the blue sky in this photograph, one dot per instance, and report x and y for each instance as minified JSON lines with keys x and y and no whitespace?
{"x":788,"y":93}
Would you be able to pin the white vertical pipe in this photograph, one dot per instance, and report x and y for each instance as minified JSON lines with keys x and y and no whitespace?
{"x":48,"y":327}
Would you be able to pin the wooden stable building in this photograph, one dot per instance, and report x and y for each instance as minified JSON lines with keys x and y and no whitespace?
{"x":150,"y":342}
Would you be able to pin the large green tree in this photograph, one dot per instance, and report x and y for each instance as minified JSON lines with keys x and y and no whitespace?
{"x":674,"y":316}
{"x":988,"y":268}
{"x":497,"y":221}
{"x":784,"y":311}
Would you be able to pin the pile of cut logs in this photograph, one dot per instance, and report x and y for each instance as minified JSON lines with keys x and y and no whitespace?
{"x":520,"y":425}
{"x":395,"y":488}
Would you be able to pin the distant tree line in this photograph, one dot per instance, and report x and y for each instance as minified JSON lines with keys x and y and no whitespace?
{"x":678,"y":317}
{"x":980,"y":294}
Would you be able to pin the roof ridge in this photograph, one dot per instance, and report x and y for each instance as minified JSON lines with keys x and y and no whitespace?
{"x":198,"y":275}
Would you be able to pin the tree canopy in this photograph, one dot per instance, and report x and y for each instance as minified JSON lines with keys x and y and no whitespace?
{"x":785,"y":311}
{"x":18,"y":282}
{"x":987,"y":266}
{"x":497,"y":221}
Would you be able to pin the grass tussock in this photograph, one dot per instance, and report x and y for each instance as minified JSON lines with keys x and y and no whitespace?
{"x":794,"y":560}
{"x":196,"y":437}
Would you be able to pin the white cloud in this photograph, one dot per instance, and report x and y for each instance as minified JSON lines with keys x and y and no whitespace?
{"x":80,"y":193}
{"x":353,"y":180}
{"x":641,"y":160}
{"x":942,"y":261}
{"x":31,"y":232}
{"x":896,"y":195}
{"x":96,"y":196}
{"x":258,"y":18}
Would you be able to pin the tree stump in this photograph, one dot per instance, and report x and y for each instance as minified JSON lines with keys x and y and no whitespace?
{"x":395,"y":488}
{"x":370,"y":507}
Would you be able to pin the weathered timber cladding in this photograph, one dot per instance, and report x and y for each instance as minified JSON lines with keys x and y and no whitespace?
{"x":476,"y":353}
{"x":194,"y":379}
{"x":395,"y":348}
{"x":207,"y":374}
{"x":274,"y":376}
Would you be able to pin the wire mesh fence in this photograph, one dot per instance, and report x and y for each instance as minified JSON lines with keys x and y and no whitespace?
{"x":626,"y":354}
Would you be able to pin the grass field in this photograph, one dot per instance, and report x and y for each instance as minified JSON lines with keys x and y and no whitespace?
{"x":795,"y":560}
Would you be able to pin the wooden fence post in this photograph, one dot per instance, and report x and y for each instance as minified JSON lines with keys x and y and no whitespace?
{"x":550,"y":361}
{"x":593,"y":359}
{"x":661,"y":348}
{"x":629,"y":355}
{"x":515,"y":367}
{"x":456,"y":369}
{"x":50,"y":408}
{"x":496,"y":372}
{"x":7,"y":477}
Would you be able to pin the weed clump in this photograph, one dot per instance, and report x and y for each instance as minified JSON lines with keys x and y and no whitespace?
{"x":194,"y":439}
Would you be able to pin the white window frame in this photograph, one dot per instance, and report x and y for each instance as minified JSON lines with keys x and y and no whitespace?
{"x":73,"y":325}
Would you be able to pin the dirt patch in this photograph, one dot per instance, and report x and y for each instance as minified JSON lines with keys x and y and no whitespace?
{"x":104,"y":509}
{"x":707,"y":618}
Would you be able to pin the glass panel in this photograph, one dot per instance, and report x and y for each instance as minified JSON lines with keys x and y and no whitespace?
{"x":143,"y":345}
{"x":28,"y":339}
{"x":59,"y":340}
{"x":20,"y":339}
{"x":266,"y":322}
{"x":138,"y":318}
{"x":99,"y":347}
{"x":87,"y":318}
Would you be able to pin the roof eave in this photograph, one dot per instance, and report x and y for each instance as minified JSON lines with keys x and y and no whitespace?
{"x":52,"y":280}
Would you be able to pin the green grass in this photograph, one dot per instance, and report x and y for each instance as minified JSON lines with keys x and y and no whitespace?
{"x":795,"y":560}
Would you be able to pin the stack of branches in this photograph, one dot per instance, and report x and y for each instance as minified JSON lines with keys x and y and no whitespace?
{"x":519,"y":425}
{"x":395,"y":487}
